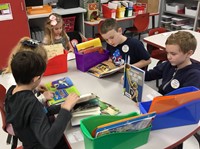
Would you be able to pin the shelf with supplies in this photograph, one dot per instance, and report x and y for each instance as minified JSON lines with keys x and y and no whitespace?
{"x":177,"y":10}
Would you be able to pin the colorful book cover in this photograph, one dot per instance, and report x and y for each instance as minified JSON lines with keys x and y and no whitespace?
{"x":133,"y":82}
{"x":128,"y":124}
{"x":104,"y":69}
{"x":108,"y":109}
{"x":61,"y":88}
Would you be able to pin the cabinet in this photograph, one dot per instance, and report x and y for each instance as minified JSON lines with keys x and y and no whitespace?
{"x":12,"y":30}
{"x":189,"y":14}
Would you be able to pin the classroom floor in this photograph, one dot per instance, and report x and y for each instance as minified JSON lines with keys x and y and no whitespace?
{"x":190,"y":143}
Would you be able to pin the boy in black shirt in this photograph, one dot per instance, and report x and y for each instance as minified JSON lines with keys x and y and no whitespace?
{"x":29,"y":118}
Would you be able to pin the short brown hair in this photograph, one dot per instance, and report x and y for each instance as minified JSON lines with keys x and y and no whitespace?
{"x":185,"y":40}
{"x":107,"y":25}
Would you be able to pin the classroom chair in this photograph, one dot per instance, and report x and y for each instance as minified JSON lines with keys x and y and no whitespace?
{"x":6,"y":127}
{"x":77,"y":37}
{"x":98,"y":35}
{"x":155,"y":52}
{"x":140,"y":24}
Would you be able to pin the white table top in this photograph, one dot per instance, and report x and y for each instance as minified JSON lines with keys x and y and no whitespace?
{"x":59,"y":11}
{"x":159,"y":41}
{"x":109,"y":89}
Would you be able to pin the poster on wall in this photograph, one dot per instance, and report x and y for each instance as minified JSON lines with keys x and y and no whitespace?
{"x":5,"y":12}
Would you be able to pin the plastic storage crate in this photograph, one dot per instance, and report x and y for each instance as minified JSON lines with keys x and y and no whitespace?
{"x":69,"y":23}
{"x":175,"y":7}
{"x":190,"y":12}
{"x":185,"y":114}
{"x":86,"y":61}
{"x":57,"y":64}
{"x":107,"y":12}
{"x":119,"y":140}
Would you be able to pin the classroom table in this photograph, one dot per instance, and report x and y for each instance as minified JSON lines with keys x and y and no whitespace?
{"x":159,"y":41}
{"x":95,"y":23}
{"x":110,"y":90}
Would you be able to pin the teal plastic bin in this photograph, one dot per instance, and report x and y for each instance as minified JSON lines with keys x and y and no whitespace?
{"x":119,"y":140}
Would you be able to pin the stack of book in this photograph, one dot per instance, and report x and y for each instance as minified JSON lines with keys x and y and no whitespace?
{"x":37,"y":33}
{"x":88,"y":105}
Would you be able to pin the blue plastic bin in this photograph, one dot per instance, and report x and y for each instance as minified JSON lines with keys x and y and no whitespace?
{"x":183,"y":90}
{"x":186,"y":114}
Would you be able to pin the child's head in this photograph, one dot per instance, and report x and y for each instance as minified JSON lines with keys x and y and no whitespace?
{"x":27,"y":67}
{"x":54,"y":26}
{"x":179,"y":47}
{"x":110,"y":31}
{"x":26,"y":44}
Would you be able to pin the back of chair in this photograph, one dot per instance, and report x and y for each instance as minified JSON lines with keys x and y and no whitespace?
{"x":158,"y":30}
{"x":2,"y":102}
{"x":141,"y":22}
{"x":98,"y":35}
{"x":7,"y":128}
{"x":151,"y":48}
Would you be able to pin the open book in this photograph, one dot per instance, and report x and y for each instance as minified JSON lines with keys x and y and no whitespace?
{"x":89,"y":105}
{"x":61,"y":88}
{"x":54,"y":50}
{"x":105,"y":68}
{"x":132,"y":123}
{"x":133,"y":82}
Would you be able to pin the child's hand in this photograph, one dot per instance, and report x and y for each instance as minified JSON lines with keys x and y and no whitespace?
{"x":122,"y":80}
{"x":48,"y":95}
{"x":71,"y":50}
{"x":41,"y":88}
{"x":70,"y":101}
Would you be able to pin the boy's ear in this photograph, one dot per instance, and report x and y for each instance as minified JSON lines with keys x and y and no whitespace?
{"x":190,"y":52}
{"x":36,"y":78}
{"x":119,"y":30}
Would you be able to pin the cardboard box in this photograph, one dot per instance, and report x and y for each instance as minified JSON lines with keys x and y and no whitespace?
{"x":152,"y":5}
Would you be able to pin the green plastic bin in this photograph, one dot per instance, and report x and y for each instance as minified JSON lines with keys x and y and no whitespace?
{"x":119,"y":140}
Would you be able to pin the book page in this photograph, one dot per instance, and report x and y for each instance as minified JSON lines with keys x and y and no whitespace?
{"x":54,"y":50}
{"x":105,"y":68}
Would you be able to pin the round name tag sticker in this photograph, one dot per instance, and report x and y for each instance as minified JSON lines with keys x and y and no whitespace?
{"x":125,"y":48}
{"x":175,"y":83}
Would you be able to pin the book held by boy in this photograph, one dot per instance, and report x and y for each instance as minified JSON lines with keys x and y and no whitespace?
{"x":133,"y":82}
{"x":61,"y":88}
{"x":105,"y":68}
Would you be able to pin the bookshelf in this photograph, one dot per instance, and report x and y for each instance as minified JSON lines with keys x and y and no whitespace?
{"x":192,"y":16}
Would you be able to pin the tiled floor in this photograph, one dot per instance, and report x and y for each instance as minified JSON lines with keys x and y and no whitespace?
{"x":191,"y":143}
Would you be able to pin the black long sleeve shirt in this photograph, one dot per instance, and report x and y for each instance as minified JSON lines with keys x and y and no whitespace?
{"x":30,"y":121}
